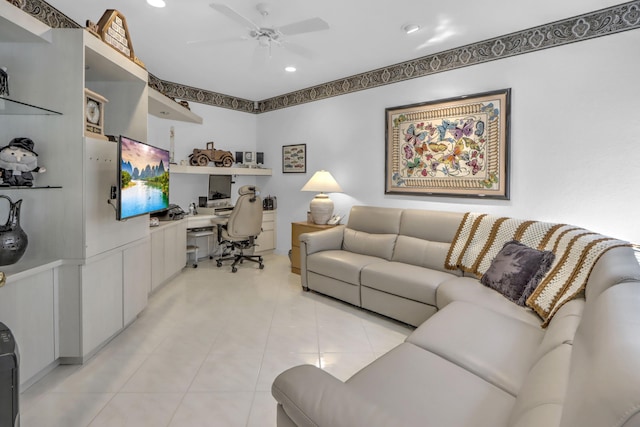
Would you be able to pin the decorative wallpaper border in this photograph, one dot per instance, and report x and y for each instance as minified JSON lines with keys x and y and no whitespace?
{"x":613,"y":20}
{"x":616,"y":19}
{"x":188,"y":93}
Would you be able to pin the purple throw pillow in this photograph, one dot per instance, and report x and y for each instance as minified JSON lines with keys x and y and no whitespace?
{"x":517,"y":270}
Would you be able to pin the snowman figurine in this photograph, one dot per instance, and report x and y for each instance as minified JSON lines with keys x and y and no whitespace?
{"x":18,"y":161}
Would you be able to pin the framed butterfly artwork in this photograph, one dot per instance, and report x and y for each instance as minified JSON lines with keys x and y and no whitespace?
{"x":456,"y":147}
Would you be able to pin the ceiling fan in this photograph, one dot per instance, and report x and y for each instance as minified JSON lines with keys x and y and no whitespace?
{"x":270,"y":36}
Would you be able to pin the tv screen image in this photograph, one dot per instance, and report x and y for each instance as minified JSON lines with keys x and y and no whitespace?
{"x":144,"y":178}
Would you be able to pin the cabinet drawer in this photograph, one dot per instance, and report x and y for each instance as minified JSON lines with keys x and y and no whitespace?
{"x":266,"y":226}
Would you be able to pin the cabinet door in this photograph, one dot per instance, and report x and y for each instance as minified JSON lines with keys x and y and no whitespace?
{"x":171,"y":250}
{"x":137,"y":279}
{"x":101,"y":301}
{"x":180,"y":259}
{"x":157,"y":259}
{"x":267,"y":238}
{"x":27,"y":308}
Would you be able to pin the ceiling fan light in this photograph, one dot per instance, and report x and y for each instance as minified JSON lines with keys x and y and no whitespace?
{"x":290,"y":69}
{"x":156,"y":3}
{"x":410,"y":28}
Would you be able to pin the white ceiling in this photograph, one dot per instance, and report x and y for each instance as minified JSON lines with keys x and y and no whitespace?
{"x":363,"y":35}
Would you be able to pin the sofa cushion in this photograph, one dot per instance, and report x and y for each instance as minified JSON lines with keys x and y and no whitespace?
{"x":405,"y":280}
{"x":436,"y":226}
{"x":540,"y":400}
{"x":376,"y":220}
{"x":423,"y":253}
{"x":361,"y":242}
{"x":422,"y":388}
{"x":517,"y":270}
{"x":341,"y":265}
{"x":493,"y":346}
{"x":471,"y":290}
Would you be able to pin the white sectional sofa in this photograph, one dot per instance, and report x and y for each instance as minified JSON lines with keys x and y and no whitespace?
{"x":476,"y":358}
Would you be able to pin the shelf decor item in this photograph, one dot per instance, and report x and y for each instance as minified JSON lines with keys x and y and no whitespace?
{"x":94,"y":114}
{"x":18,"y":162}
{"x":112,"y":28}
{"x":451,"y":147}
{"x":13,"y":239}
{"x":220,"y":158}
{"x":4,"y":82}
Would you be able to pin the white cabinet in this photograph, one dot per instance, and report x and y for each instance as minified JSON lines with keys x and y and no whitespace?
{"x":101,"y":298}
{"x":168,"y":251}
{"x":28,"y":306}
{"x":267,"y":239}
{"x":136,"y":262}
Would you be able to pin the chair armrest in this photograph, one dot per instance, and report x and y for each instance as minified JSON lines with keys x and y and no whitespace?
{"x":312,"y":397}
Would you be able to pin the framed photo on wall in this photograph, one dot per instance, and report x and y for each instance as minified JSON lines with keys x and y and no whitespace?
{"x":451,"y":147}
{"x":294,"y":158}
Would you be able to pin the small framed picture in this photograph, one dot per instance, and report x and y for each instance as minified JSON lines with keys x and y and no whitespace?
{"x":294,"y":158}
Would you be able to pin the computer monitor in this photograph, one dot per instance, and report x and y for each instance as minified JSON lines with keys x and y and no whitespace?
{"x":219,"y":187}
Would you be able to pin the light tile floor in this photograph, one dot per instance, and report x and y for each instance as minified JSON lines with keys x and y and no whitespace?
{"x":205,"y":352}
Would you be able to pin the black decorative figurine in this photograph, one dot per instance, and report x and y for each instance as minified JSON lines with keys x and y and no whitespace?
{"x":13,"y":239}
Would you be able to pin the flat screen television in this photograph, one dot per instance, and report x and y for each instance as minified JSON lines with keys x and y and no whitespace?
{"x":143,"y":178}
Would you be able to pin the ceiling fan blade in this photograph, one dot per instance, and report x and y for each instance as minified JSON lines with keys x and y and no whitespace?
{"x":235,"y":16}
{"x":297,"y":49}
{"x":306,"y":26}
{"x":215,"y":41}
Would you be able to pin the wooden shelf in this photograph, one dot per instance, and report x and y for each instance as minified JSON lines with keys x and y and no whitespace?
{"x":18,"y":26}
{"x":212,"y":170}
{"x":164,"y":107}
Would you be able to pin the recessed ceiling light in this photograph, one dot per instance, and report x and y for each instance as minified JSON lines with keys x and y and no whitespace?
{"x":410,"y":28}
{"x":290,"y":69}
{"x":156,"y":3}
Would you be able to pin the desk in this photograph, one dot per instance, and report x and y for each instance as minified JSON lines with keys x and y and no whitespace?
{"x":297,"y":228}
{"x":266,"y":241}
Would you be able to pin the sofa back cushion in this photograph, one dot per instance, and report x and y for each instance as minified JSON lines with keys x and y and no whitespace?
{"x":361,"y":242}
{"x":423,"y":253}
{"x":604,"y":378}
{"x":425,"y":238}
{"x":375,"y":220}
{"x":436,"y":226}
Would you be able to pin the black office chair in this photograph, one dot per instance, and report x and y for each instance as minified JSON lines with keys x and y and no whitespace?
{"x":242,"y":229}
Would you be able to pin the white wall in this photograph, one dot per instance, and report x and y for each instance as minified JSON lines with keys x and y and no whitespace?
{"x":574,"y":144}
{"x":229,"y":130}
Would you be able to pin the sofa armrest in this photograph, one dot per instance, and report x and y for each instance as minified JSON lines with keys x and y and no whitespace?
{"x":312,"y":397}
{"x":323,"y":240}
{"x":318,"y":241}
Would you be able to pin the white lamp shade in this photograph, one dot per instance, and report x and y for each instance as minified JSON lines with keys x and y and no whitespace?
{"x":322,"y":182}
{"x":321,"y":206}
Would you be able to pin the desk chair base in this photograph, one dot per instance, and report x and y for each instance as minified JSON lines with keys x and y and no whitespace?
{"x":239,"y":257}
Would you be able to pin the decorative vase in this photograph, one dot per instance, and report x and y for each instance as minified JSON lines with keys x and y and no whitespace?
{"x":13,"y":239}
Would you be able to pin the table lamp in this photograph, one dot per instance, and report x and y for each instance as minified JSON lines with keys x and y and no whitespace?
{"x":321,"y":206}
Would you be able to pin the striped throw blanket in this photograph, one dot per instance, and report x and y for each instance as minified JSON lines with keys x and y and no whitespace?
{"x":480,"y":237}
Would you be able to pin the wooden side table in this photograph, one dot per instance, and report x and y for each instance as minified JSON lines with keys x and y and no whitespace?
{"x":297,"y":228}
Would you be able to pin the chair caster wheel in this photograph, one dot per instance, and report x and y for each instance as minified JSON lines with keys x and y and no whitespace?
{"x":233,"y":270}
{"x":261,"y":266}
{"x":210,"y":257}
{"x":195,"y":265}
{"x":219,"y":264}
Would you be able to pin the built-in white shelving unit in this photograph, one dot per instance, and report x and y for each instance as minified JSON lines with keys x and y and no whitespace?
{"x":164,"y":107}
{"x":213,"y":170}
{"x":17,"y":26}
